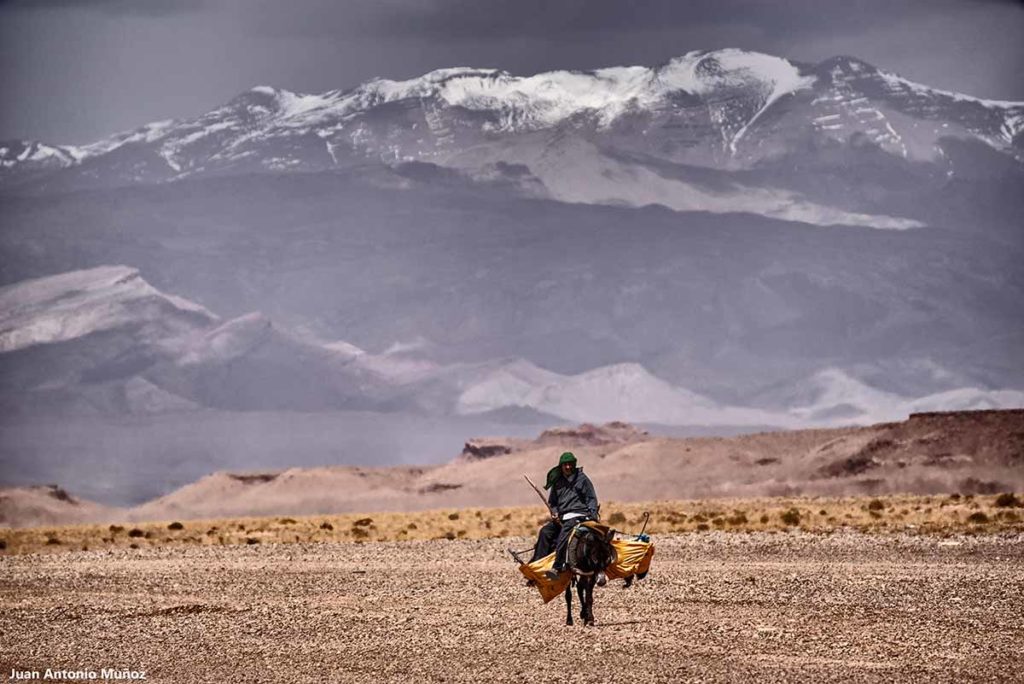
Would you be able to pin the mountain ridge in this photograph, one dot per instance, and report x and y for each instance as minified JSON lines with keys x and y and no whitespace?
{"x":728,"y":91}
{"x":974,"y":452}
{"x":104,"y":327}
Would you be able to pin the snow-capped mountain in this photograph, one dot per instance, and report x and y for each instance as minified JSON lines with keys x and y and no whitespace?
{"x":630,"y":392}
{"x":497,"y":217}
{"x":105,"y":339}
{"x":834,"y":396}
{"x":102,"y":300}
{"x":619,"y":392}
{"x":632,"y":135}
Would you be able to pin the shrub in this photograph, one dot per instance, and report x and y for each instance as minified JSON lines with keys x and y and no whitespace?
{"x":616,"y":518}
{"x":738,"y":519}
{"x":364,"y":522}
{"x":765,"y":519}
{"x":3,"y":544}
{"x":326,"y":526}
{"x":175,"y":526}
{"x":1008,"y":500}
{"x":287,"y":521}
{"x":251,"y":540}
{"x":791,"y":517}
{"x":449,"y":535}
{"x":876,"y":505}
{"x":116,"y":528}
{"x":135,"y":532}
{"x":703,"y":527}
{"x":978,"y":517}
{"x":52,"y":540}
{"x":359,"y":532}
{"x":133,"y":546}
{"x":413,"y":526}
{"x":451,"y":516}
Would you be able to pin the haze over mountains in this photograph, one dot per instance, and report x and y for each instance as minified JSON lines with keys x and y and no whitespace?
{"x":729,"y":239}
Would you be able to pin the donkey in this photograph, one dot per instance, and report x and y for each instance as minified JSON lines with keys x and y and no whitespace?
{"x":588,"y":555}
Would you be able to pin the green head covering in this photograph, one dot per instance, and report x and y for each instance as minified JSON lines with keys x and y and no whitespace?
{"x":553,"y":474}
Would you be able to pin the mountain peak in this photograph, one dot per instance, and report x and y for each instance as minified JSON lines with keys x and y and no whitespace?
{"x":78,"y":303}
{"x":704,"y":108}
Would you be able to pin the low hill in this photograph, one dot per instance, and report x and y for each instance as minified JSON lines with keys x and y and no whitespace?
{"x":980,"y":452}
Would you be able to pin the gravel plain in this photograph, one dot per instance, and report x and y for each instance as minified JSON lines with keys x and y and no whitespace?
{"x":766,"y":607}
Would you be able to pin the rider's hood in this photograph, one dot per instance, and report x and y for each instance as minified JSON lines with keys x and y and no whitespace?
{"x":555,"y":472}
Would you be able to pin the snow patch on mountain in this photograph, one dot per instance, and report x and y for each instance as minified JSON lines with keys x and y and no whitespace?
{"x":704,"y":73}
{"x":144,"y":134}
{"x":898,"y":83}
{"x":34,"y":155}
{"x":701,"y":72}
{"x":550,"y":98}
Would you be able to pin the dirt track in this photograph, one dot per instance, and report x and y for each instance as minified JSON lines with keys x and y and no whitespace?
{"x":717,"y":606}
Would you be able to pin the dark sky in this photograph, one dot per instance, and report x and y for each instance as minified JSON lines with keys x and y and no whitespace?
{"x":72,"y":71}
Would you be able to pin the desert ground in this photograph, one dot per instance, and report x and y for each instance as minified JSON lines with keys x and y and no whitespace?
{"x":314,"y":575}
{"x":765,"y":606}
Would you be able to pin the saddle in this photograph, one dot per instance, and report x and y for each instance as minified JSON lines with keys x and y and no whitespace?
{"x":603,"y":531}
{"x":601,"y":534}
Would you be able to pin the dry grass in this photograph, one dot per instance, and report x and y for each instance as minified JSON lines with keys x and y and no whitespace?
{"x":935,"y":514}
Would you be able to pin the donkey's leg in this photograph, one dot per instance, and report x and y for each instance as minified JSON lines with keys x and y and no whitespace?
{"x":581,"y":592}
{"x":568,"y":604}
{"x":589,"y":618}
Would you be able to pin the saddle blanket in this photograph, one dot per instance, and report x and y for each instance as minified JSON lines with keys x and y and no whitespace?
{"x":632,"y":558}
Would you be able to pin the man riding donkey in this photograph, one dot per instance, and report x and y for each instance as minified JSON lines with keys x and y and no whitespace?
{"x":571,"y":501}
{"x":596,"y":552}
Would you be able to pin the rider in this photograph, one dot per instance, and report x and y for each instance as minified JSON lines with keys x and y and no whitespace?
{"x":572,"y":500}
